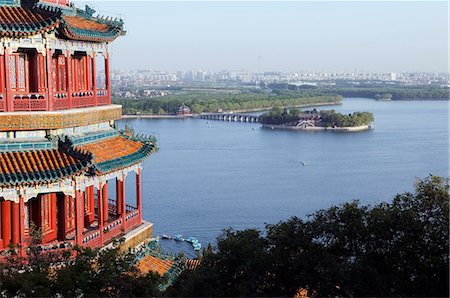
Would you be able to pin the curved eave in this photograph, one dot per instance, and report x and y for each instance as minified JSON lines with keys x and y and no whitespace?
{"x":26,"y":30}
{"x":125,"y":161}
{"x":88,"y":35}
{"x":41,"y":177}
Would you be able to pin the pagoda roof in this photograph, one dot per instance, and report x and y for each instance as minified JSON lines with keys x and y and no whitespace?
{"x":118,"y":151}
{"x":39,"y":166}
{"x":28,"y":163}
{"x":20,"y":21}
{"x":32,"y":17}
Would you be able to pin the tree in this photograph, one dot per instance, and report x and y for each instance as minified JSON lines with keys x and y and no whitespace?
{"x":75,"y":271}
{"x":391,"y":249}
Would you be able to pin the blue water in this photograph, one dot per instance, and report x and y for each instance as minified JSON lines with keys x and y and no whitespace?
{"x":207,"y":177}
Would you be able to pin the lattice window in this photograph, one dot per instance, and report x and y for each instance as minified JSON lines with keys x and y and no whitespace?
{"x":18,"y":71}
{"x":12,"y":72}
{"x":41,"y":73}
{"x":21,"y":71}
{"x":70,"y":209}
{"x":26,"y":216}
{"x":61,"y":76}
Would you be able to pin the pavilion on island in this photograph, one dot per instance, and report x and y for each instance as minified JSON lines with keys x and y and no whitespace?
{"x":61,"y":155}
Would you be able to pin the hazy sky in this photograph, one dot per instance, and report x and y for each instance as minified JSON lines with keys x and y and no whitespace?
{"x":296,"y":35}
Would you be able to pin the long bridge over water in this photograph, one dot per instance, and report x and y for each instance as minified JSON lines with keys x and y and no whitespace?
{"x":230,"y":117}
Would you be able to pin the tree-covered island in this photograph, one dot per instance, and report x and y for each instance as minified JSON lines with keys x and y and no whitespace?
{"x":316,"y":120}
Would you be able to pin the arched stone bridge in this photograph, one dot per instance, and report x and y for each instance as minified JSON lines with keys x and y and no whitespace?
{"x":230,"y":117}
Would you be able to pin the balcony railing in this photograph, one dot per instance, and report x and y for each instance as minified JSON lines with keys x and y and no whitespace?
{"x":30,"y":102}
{"x":38,"y":101}
{"x":112,"y":230}
{"x":92,"y":239}
{"x":61,"y":101}
{"x":132,"y":220}
{"x":83,"y":99}
{"x":102,"y":97}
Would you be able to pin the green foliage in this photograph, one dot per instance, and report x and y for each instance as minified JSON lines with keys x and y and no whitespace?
{"x":328,"y":118}
{"x":391,"y":249}
{"x":278,"y":116}
{"x":200,"y":102}
{"x":377,"y":92}
{"x":331,"y":118}
{"x":75,"y":272}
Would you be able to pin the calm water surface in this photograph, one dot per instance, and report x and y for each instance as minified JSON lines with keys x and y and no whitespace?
{"x":211,"y":175}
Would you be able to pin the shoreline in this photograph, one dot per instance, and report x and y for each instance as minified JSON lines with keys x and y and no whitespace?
{"x":319,"y":128}
{"x":170,"y":116}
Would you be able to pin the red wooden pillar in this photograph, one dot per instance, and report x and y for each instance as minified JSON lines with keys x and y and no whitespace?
{"x":63,"y":217}
{"x":22,"y":227}
{"x":53,"y":213}
{"x":118,"y":197}
{"x":79,"y":217}
{"x":107,"y":78}
{"x":94,"y":79}
{"x":6,"y":223}
{"x":105,"y":202}
{"x":91,"y":203}
{"x":9,"y":104}
{"x":124,"y":209}
{"x":15,"y":237}
{"x":50,"y":80}
{"x":100,"y":211}
{"x":69,"y":80}
{"x":139,"y":194}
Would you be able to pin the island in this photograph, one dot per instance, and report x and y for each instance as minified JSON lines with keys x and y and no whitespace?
{"x":313,"y":120}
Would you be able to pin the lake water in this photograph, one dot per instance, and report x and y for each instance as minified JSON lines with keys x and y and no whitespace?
{"x":207,"y":177}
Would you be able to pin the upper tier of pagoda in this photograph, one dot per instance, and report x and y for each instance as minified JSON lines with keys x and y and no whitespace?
{"x":30,"y":17}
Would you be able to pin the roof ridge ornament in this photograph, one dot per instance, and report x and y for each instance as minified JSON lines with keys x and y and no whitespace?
{"x":89,"y":11}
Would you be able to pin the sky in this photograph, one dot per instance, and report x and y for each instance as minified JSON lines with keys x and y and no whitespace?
{"x":336,"y":36}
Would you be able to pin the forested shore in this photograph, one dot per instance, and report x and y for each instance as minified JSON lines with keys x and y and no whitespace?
{"x":212,"y":102}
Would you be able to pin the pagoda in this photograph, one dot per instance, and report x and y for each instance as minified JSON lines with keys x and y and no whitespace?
{"x":61,"y":155}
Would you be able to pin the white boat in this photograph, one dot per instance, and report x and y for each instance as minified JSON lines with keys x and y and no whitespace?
{"x":165,"y":236}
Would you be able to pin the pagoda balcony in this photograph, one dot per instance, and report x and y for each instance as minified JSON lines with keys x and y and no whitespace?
{"x":61,"y":100}
{"x":30,"y":101}
{"x":103,"y":97}
{"x":83,"y":99}
{"x":115,"y":227}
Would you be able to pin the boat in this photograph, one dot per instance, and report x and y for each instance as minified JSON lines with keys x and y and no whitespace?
{"x":197,"y":246}
{"x":304,"y":163}
{"x":191,"y":239}
{"x":165,"y":236}
{"x":178,"y":237}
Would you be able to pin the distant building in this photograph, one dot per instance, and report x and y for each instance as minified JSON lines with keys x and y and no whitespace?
{"x":184,"y":110}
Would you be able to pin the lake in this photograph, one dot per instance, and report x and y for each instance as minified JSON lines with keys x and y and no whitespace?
{"x":209,"y":175}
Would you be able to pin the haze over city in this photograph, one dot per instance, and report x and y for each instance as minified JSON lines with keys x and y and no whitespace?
{"x":287,"y":36}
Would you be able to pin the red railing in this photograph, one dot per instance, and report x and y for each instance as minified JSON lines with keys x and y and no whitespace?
{"x":57,"y":246}
{"x":83,"y":99}
{"x":37,"y":101}
{"x":132,"y":220}
{"x":61,"y":101}
{"x":92,"y":239}
{"x":112,"y":230}
{"x":103,"y":97}
{"x":30,"y":102}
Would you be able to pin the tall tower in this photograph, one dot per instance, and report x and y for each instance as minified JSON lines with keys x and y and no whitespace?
{"x":60,"y":150}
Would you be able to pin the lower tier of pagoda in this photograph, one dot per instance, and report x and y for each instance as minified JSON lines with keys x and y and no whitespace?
{"x":90,"y":218}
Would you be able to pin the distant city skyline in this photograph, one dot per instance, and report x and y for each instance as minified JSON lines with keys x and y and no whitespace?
{"x":288,"y":36}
